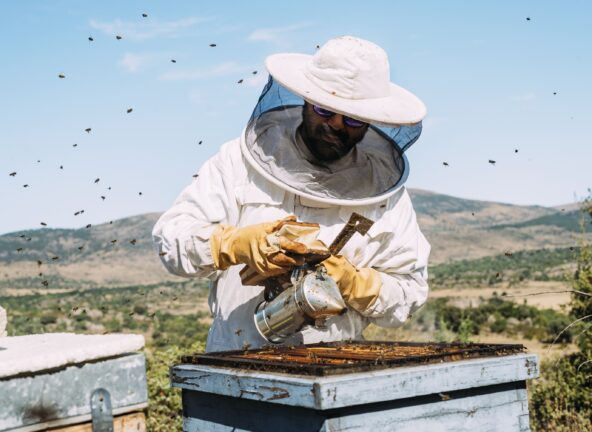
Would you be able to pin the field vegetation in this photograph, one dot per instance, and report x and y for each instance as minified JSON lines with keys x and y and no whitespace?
{"x":174,"y":318}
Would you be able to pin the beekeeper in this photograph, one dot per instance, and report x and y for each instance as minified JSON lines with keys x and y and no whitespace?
{"x":326,"y":138}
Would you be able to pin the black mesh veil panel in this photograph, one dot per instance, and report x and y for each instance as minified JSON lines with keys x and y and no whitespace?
{"x":272,"y":139}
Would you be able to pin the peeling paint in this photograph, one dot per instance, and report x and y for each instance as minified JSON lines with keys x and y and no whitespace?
{"x":531,"y":367}
{"x":279,"y":392}
{"x":63,"y":394}
{"x":249,"y":392}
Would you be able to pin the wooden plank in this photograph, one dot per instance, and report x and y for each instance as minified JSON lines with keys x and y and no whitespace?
{"x":275,"y":388}
{"x":498,"y":411}
{"x":502,"y":407}
{"x":134,"y":422}
{"x":353,"y":389}
{"x":208,"y":412}
{"x":423,"y":380}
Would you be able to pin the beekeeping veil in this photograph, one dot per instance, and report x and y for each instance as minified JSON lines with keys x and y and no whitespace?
{"x":349,"y":76}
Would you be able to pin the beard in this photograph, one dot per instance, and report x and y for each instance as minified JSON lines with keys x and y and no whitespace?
{"x":327,"y":144}
{"x":324,"y":142}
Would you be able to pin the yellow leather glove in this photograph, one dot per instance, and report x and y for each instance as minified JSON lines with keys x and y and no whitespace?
{"x":297,"y":241}
{"x":359,"y":287}
{"x":269,"y":249}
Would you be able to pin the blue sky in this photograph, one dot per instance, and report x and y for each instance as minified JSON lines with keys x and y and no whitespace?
{"x":486,"y":73}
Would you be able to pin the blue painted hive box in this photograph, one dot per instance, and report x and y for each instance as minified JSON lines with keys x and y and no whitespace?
{"x":358,"y":386}
{"x":47,"y":381}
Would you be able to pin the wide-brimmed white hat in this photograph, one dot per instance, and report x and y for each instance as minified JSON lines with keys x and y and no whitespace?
{"x":350,"y":76}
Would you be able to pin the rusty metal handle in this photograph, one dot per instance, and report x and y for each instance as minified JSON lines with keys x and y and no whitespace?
{"x":356,"y":223}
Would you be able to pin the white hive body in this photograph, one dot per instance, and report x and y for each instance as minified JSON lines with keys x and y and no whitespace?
{"x":358,"y":386}
{"x":47,"y":380}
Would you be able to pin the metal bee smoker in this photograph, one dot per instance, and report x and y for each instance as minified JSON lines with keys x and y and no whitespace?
{"x":309,"y":297}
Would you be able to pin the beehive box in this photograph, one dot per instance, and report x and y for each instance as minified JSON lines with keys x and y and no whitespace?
{"x":46,"y":380}
{"x":358,"y":386}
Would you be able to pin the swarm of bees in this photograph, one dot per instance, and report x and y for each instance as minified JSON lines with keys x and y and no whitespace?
{"x":134,"y":241}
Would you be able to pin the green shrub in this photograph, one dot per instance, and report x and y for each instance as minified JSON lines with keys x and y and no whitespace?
{"x":557,"y":329}
{"x":80,"y":326}
{"x":48,"y":319}
{"x":129,"y":322}
{"x":113,"y":325}
{"x":140,"y":310}
{"x":499,"y":325}
{"x":443,"y":333}
{"x":181,"y":330}
{"x":561,"y":399}
{"x":465,"y":330}
{"x":164,"y":407}
{"x":519,"y":266}
{"x":80,"y":317}
{"x":582,"y":302}
{"x":543,"y":324}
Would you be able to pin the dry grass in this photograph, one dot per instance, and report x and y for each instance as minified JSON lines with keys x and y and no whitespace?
{"x":455,"y":242}
{"x":543,"y":350}
{"x":463,"y":297}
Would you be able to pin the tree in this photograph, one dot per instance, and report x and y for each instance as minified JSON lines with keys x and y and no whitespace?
{"x":562,"y":399}
{"x":581,"y":304}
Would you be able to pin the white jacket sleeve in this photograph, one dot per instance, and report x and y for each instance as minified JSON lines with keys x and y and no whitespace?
{"x":400,"y":253}
{"x":182,"y":233}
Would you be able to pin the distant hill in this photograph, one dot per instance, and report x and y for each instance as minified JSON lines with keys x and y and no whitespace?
{"x":121,"y":253}
{"x":113,"y":254}
{"x":472,"y":212}
{"x":131,"y":234}
{"x":570,"y":221}
{"x":462,"y":229}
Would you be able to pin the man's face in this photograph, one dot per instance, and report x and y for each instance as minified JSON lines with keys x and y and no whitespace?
{"x":328,"y":138}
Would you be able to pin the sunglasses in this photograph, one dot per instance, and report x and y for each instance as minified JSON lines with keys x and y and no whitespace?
{"x":348,"y":121}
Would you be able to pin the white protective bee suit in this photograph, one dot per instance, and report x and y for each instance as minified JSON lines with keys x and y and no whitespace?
{"x":268,"y":174}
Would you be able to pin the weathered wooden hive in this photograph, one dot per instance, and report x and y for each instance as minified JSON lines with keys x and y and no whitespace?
{"x":358,"y":386}
{"x":68,"y":382}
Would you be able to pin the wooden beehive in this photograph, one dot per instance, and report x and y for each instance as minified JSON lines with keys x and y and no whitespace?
{"x":46,"y":381}
{"x":358,"y":386}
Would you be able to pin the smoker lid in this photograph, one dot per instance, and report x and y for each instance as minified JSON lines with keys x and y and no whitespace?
{"x":349,"y":357}
{"x":41,"y":352}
